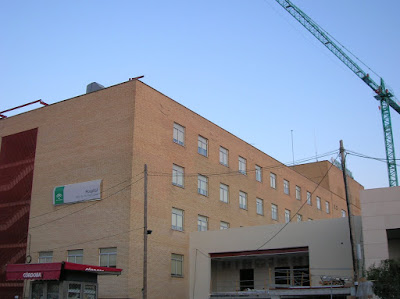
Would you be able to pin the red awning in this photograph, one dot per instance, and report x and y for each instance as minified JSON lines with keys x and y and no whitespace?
{"x":48,"y":271}
{"x":90,"y":268}
{"x":52,"y":271}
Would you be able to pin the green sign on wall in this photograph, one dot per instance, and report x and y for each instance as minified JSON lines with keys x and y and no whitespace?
{"x":77,"y":192}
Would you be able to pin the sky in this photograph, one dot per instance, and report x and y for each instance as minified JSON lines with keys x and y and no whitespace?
{"x":248,"y":66}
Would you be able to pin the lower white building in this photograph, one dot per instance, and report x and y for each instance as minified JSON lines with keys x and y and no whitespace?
{"x":380,"y":210}
{"x":306,"y":259}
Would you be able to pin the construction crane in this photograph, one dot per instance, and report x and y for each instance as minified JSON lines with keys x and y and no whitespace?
{"x":385,"y":96}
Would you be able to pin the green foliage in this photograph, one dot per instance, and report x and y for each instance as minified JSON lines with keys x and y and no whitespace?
{"x":386,"y":279}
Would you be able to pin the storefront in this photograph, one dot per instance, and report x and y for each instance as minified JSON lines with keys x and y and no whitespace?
{"x":59,"y":280}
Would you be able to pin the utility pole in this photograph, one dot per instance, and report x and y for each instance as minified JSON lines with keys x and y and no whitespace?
{"x":353,"y":255}
{"x":145,"y":236}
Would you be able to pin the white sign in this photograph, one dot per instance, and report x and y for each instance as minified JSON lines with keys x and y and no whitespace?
{"x":77,"y":192}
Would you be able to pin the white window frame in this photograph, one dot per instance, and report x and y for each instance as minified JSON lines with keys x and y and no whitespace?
{"x":318,"y":199}
{"x":327,"y":207}
{"x":223,"y":225}
{"x":242,"y":165}
{"x":223,"y":156}
{"x":274,"y":212}
{"x":202,"y":185}
{"x":177,"y":219}
{"x":309,"y":200}
{"x":178,"y":175}
{"x":243,"y":200}
{"x":272,"y":180}
{"x":75,"y":256}
{"x":224,"y":193}
{"x":299,"y":217}
{"x":179,"y":134}
{"x":258,"y":173}
{"x":260,"y":206}
{"x":45,"y":257}
{"x":286,"y":187}
{"x":287,"y":215}
{"x":176,"y":265}
{"x":202,"y":223}
{"x":202,"y":146}
{"x":108,"y":252}
{"x":344,"y":214}
{"x":298,"y":192}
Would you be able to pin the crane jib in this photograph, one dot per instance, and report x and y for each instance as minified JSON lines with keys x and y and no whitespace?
{"x":386,"y":97}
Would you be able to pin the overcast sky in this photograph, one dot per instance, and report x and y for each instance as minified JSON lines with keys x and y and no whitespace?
{"x":247,"y":66}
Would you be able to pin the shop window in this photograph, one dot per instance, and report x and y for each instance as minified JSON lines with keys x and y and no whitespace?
{"x":89,"y":292}
{"x":74,"y":290}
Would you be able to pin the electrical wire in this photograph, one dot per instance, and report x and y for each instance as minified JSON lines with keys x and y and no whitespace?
{"x":88,"y":206}
{"x":93,"y":240}
{"x":283,"y":227}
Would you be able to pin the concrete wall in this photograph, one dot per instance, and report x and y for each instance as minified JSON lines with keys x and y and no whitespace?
{"x":328,"y":242}
{"x":380,"y":211}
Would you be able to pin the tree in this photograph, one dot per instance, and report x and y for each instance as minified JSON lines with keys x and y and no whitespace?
{"x":386,"y":278}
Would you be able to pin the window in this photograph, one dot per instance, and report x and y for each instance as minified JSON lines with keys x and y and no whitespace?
{"x":108,"y":257}
{"x":344,"y":213}
{"x":45,"y":256}
{"x":318,"y":203}
{"x":223,"y":156}
{"x":286,"y":187}
{"x":202,"y":146}
{"x":309,"y":219}
{"x":177,"y":265}
{"x":272,"y":179}
{"x":309,"y":198}
{"x":327,"y":209}
{"x":224,"y":225}
{"x":75,"y":256}
{"x":298,"y":193}
{"x":89,"y":291}
{"x":177,"y":175}
{"x":242,"y":165}
{"x":179,"y":134}
{"x":287,"y":216}
{"x":274,"y":212}
{"x":258,"y":173}
{"x":177,"y":219}
{"x":243,"y":200}
{"x":299,"y":218}
{"x":202,"y":185}
{"x":260,"y":206}
{"x":202,"y":223}
{"x":223,"y":193}
{"x":74,"y":290}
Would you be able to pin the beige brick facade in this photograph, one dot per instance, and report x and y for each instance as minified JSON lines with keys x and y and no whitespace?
{"x":109,"y":135}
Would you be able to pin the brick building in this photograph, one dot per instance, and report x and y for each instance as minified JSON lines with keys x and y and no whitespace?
{"x":201,"y":177}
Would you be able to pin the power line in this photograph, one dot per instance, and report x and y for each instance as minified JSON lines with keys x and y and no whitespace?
{"x":88,"y":206}
{"x":266,"y":242}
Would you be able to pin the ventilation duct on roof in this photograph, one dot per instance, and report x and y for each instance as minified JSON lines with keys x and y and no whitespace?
{"x":94,"y":86}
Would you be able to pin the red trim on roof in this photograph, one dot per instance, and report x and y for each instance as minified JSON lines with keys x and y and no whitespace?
{"x":260,"y":252}
{"x":90,"y":268}
{"x":48,"y":271}
{"x":52,"y":271}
